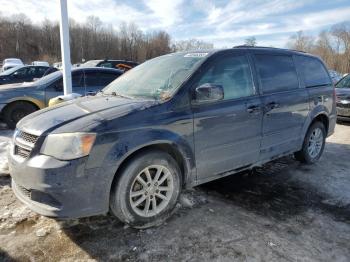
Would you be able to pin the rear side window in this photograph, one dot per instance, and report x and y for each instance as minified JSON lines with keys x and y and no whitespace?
{"x":106,"y":64}
{"x":314,"y":72}
{"x":106,"y":78}
{"x":92,"y":79}
{"x":277,"y":73}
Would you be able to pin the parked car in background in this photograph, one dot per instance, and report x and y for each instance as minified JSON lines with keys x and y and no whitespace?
{"x":336,"y":76}
{"x":19,"y":100}
{"x":20,"y":74}
{"x":343,"y":98}
{"x":10,"y":63}
{"x":175,"y":121}
{"x":109,"y":63}
{"x":41,"y":63}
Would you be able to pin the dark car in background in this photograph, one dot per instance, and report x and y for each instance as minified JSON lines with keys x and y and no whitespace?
{"x":336,"y":76}
{"x":175,"y":121}
{"x":20,"y":74}
{"x":109,"y":63}
{"x":19,"y":100}
{"x":343,"y":98}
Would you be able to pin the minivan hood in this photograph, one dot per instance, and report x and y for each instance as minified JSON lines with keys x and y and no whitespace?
{"x":80,"y":113}
{"x":14,"y":87}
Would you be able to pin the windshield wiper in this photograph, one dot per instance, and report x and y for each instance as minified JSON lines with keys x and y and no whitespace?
{"x":120,"y":95}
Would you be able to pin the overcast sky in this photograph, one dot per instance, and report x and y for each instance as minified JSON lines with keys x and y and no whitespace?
{"x":222,"y":22}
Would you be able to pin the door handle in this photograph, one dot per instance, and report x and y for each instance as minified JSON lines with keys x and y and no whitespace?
{"x":253,"y":109}
{"x":271,"y":106}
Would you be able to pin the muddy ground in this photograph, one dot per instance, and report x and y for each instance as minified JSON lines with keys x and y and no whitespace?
{"x":284,"y":211}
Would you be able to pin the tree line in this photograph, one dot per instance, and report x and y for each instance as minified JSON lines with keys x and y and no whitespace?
{"x":20,"y":38}
{"x":332,"y":45}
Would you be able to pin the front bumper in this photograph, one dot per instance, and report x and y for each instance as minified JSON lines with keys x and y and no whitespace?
{"x":55,"y":188}
{"x":343,"y":112}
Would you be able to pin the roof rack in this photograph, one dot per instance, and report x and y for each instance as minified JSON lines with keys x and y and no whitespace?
{"x":266,"y":47}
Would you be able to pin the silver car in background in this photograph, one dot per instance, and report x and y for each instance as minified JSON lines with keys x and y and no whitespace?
{"x":10,"y":63}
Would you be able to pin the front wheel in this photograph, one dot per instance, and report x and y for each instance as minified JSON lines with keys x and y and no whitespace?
{"x":313,"y":145}
{"x":147,"y":190}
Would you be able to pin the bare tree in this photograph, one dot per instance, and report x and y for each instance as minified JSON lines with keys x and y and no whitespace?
{"x":89,"y":40}
{"x":301,"y":42}
{"x":333,"y":46}
{"x":250,"y":41}
{"x":191,"y":44}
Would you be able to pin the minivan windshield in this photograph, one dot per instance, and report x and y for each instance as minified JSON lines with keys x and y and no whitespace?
{"x":344,"y":83}
{"x":157,"y":78}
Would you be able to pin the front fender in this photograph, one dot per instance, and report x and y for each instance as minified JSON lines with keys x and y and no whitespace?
{"x":112,"y":149}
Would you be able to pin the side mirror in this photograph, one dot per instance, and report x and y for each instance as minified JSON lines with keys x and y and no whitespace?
{"x":209,"y":93}
{"x":15,"y":74}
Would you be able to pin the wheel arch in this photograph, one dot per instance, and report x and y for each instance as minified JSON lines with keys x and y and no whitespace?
{"x":36,"y":102}
{"x":166,"y":146}
{"x":323,"y":118}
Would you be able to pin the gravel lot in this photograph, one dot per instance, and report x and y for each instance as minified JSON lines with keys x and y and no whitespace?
{"x":284,"y":211}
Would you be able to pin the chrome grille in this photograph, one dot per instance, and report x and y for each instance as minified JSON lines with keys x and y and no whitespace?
{"x":23,"y":152}
{"x":24,"y":143}
{"x":24,"y":191}
{"x":29,"y":138}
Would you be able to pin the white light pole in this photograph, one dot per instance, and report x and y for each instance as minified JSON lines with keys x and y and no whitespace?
{"x":65,"y":49}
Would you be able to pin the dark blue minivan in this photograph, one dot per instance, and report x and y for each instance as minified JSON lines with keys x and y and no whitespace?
{"x":175,"y":121}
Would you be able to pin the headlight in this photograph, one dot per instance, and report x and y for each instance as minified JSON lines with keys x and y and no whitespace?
{"x":68,"y":145}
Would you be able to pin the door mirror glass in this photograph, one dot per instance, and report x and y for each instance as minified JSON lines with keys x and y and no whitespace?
{"x":209,"y":93}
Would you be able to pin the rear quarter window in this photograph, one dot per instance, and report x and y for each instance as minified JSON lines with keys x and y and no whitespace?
{"x":313,"y":71}
{"x":277,"y":73}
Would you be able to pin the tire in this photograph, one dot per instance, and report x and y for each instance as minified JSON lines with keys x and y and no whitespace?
{"x":16,"y":111}
{"x":313,"y":145}
{"x":134,"y":178}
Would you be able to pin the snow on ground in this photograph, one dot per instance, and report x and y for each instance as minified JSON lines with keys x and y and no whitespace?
{"x":4,"y":143}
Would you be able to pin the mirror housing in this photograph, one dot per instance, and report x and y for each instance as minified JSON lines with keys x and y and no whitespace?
{"x":209,"y":93}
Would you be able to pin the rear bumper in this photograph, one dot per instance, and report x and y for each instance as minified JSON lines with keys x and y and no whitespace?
{"x":343,"y":118}
{"x":56,"y":188}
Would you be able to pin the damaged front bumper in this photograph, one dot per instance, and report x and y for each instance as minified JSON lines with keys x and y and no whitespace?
{"x":55,"y":188}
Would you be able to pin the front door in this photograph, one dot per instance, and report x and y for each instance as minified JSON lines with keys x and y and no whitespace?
{"x":285,"y":102}
{"x":227,"y":133}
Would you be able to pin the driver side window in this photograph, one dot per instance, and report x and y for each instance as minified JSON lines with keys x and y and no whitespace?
{"x":21,"y":72}
{"x":233,"y":74}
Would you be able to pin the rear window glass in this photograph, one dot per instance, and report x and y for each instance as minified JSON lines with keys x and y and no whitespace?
{"x":314,"y":72}
{"x":277,"y":73}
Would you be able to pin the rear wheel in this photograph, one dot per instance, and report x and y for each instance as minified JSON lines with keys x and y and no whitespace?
{"x":147,"y":190}
{"x":313,"y":145}
{"x":16,"y":111}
